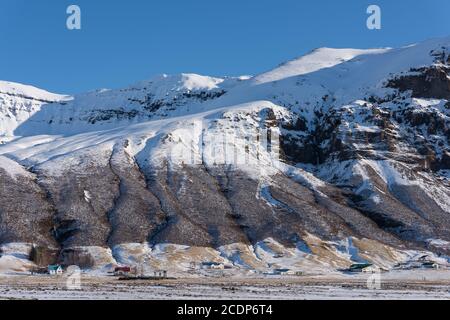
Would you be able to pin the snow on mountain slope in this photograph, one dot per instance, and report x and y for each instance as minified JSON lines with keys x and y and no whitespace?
{"x":161,"y":97}
{"x":316,"y":60}
{"x":298,"y":84}
{"x":17,"y":89}
{"x":344,"y":76}
{"x":12,"y":168}
{"x":339,"y":144}
{"x":20,"y":102}
{"x":196,"y":137}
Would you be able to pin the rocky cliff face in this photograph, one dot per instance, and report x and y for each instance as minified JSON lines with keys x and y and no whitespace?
{"x":336,"y":157}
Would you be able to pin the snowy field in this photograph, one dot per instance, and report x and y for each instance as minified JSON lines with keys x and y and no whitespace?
{"x":432,"y":284}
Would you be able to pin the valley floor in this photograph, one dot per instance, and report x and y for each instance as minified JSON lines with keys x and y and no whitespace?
{"x":411,"y":284}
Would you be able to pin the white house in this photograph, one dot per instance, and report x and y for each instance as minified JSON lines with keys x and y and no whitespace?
{"x":55,"y":269}
{"x":212,"y":265}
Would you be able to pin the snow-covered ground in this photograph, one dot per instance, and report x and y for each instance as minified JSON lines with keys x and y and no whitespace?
{"x":395,"y":285}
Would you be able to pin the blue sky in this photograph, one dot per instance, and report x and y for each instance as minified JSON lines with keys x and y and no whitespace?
{"x":122,"y":42}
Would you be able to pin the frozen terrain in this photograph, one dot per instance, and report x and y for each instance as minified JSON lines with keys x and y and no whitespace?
{"x":410,"y":285}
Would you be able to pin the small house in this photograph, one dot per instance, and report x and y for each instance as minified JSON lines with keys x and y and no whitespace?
{"x":212,"y":265}
{"x":122,"y":271}
{"x":283,"y":272}
{"x":160,"y":274}
{"x":361,"y":267}
{"x":55,"y":269}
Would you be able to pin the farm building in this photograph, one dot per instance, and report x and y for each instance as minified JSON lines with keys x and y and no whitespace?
{"x":122,"y":271}
{"x":55,"y":269}
{"x":283,"y":272}
{"x":363,"y":267}
{"x":212,"y":265}
{"x":160,"y":274}
{"x":420,"y":264}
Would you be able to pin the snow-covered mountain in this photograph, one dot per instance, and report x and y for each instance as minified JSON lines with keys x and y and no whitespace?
{"x":338,"y":156}
{"x":18,"y":103}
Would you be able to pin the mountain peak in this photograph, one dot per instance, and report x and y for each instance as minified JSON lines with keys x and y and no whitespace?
{"x":27,"y":91}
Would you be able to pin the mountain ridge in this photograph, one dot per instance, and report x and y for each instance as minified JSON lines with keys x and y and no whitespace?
{"x":339,"y":151}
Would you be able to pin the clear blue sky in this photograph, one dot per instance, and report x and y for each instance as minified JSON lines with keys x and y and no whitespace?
{"x":122,"y":42}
